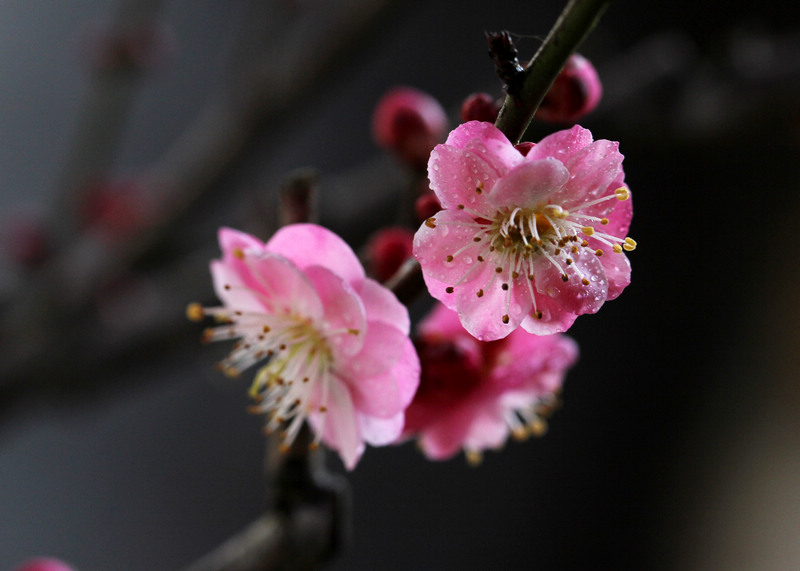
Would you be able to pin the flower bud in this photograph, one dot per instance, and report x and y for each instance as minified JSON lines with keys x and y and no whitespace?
{"x":26,"y":240}
{"x":409,"y":123}
{"x":574,"y":93}
{"x":116,"y":208}
{"x":387,"y":250}
{"x":479,"y":107}
{"x":44,"y":564}
{"x":426,"y":206}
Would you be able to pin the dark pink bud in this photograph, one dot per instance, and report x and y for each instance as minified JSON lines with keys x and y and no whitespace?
{"x":479,"y":107}
{"x":26,"y":241}
{"x":387,"y":250}
{"x":524,"y":147}
{"x":426,"y":206}
{"x":575,"y":92}
{"x":43,"y":564}
{"x":409,"y":123}
{"x":116,"y":208}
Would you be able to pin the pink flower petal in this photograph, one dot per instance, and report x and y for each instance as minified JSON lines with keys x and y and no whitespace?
{"x":484,"y":316}
{"x":461,"y":177}
{"x":529,"y":183}
{"x":592,"y":170}
{"x":445,"y":437}
{"x":382,"y":305}
{"x":230,"y":240}
{"x":573,"y":296}
{"x":311,"y":245}
{"x":488,"y":430}
{"x":618,"y":273}
{"x":269,"y":281}
{"x":383,"y":377}
{"x":452,"y":237}
{"x":339,"y":425}
{"x":561,"y":145}
{"x":344,"y":312}
{"x":381,"y":431}
{"x":554,"y":318}
{"x":488,"y":142}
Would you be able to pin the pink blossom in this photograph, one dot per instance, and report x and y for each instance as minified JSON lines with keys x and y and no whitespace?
{"x":334,"y":343}
{"x":473,"y":394}
{"x":531,"y":240}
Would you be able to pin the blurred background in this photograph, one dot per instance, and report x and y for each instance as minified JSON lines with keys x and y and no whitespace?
{"x":132,"y":130}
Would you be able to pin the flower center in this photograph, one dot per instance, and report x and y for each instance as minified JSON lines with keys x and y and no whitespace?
{"x":296,"y":378}
{"x":519,"y":237}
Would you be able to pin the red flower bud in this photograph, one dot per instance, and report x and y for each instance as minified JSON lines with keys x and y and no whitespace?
{"x":479,"y":107}
{"x":426,"y":206}
{"x":44,"y":564}
{"x":575,"y":92}
{"x":409,"y":123}
{"x":387,"y":250}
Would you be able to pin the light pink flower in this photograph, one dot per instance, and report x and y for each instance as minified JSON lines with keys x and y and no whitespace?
{"x":530,"y":240}
{"x":335,"y":343}
{"x":473,"y":394}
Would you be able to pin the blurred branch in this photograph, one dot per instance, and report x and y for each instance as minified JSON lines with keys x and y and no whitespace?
{"x":100,"y":124}
{"x":306,"y":523}
{"x":36,"y":340}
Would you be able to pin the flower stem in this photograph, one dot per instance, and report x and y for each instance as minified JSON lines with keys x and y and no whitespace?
{"x":578,"y":18}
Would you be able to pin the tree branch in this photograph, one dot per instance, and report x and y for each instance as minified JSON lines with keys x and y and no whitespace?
{"x":573,"y":25}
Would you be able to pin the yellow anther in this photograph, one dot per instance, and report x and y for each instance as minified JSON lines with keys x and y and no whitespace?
{"x":617,"y":249}
{"x":598,"y":252}
{"x":519,"y":433}
{"x":353,"y":331}
{"x":238,"y":253}
{"x":474,"y":458}
{"x":585,"y":282}
{"x":194,"y":312}
{"x":604,"y":221}
{"x":588,"y":230}
{"x":630,"y":242}
{"x":231,"y":372}
{"x":430,"y":222}
{"x":622,"y":193}
{"x":538,"y":427}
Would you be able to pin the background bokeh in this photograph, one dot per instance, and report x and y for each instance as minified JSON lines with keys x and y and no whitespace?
{"x":677,"y":446}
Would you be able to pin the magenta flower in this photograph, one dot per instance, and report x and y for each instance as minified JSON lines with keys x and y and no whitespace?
{"x":531,"y":240}
{"x":335,"y":343}
{"x":473,"y":394}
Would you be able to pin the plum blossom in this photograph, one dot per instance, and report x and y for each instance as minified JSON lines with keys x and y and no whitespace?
{"x":531,"y":241}
{"x":473,"y":394}
{"x":334,"y":344}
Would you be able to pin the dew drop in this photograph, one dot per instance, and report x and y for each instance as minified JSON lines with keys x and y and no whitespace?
{"x":444,"y":230}
{"x":467,"y":259}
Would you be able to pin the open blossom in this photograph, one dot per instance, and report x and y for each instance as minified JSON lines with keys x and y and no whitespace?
{"x":532,"y":240}
{"x":473,"y":394}
{"x":335,"y":344}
